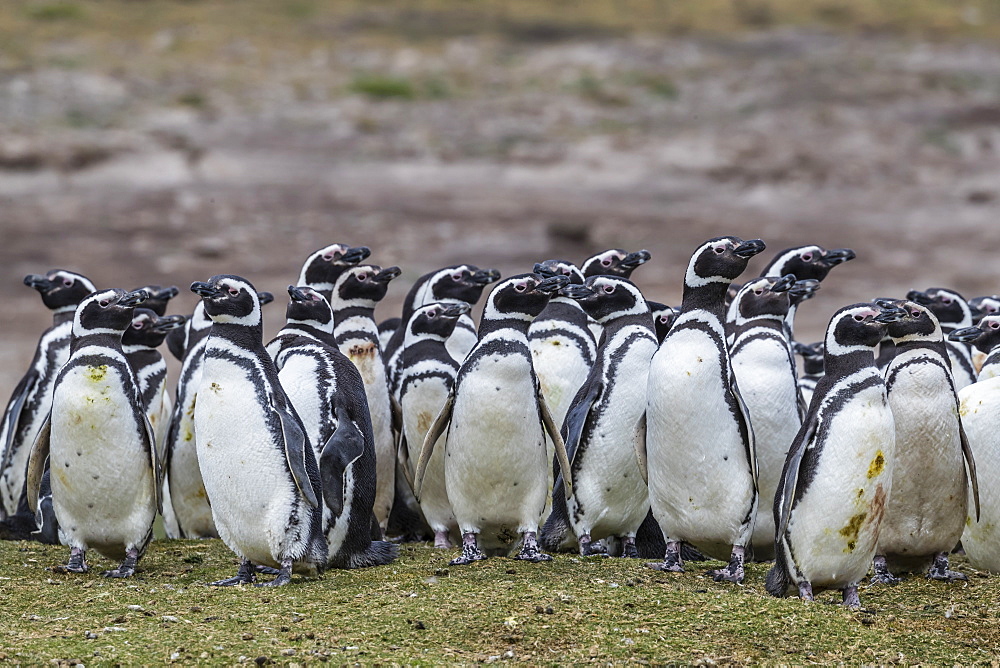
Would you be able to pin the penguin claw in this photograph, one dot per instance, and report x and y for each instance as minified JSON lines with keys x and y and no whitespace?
{"x":534,"y":556}
{"x":119,"y":573}
{"x":465,"y":559}
{"x":630,"y":551}
{"x":727,"y":575}
{"x":279,"y":581}
{"x":266,"y":570}
{"x":886,"y":578}
{"x":593,"y":549}
{"x":665,"y":567}
{"x":230,"y":582}
{"x":947,"y":576}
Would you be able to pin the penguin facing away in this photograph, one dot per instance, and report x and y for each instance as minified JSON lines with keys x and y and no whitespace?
{"x":837,"y":476}
{"x":926,"y":511}
{"x":699,"y":442}
{"x":99,"y":445}
{"x":953,"y":312}
{"x":497,"y":475}
{"x":257,"y":464}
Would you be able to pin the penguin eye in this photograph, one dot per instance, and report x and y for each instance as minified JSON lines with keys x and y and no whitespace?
{"x":137,"y":325}
{"x":233,"y":291}
{"x":946,"y":300}
{"x":806,"y":257}
{"x":664,"y":319}
{"x":327,"y":256}
{"x":719,"y":250}
{"x":915,"y":314}
{"x":758,"y":292}
{"x":432,"y":314}
{"x":457,"y":276}
{"x":994,"y":325}
{"x":859,"y":318}
{"x":608,"y":289}
{"x":68,"y":282}
{"x":606,"y":262}
{"x":565,"y":272}
{"x":363,"y":276}
{"x":520,"y":287}
{"x":104,"y":302}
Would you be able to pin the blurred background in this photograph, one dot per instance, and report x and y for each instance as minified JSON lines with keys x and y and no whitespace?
{"x":155,"y":141}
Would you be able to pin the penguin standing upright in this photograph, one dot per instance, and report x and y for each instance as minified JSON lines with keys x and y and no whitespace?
{"x":327,"y":392}
{"x":981,"y":307}
{"x":699,"y":442}
{"x":663,"y":318}
{"x":837,"y":477}
{"x":428,"y":376}
{"x":101,"y":451}
{"x":29,"y":404}
{"x":952,"y":312}
{"x":496,"y":471}
{"x":612,"y":262}
{"x":257,"y":464}
{"x":322,"y":268}
{"x":765,"y":371}
{"x":927,"y":509}
{"x":355,"y":295}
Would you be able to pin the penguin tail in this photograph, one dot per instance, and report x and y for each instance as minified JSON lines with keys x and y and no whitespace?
{"x":691,"y":553}
{"x":777,"y":582}
{"x":557,"y":535}
{"x":378,"y":553}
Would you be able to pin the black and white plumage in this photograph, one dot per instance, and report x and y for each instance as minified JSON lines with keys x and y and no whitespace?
{"x":605,"y":429}
{"x":927,"y":509}
{"x":257,"y":464}
{"x":699,"y":442}
{"x":614,"y":262}
{"x":323,"y":267}
{"x":497,"y":473}
{"x":386,"y":329}
{"x":428,"y":376}
{"x":812,"y":368}
{"x":765,"y":371}
{"x":663,"y":318}
{"x":29,"y":404}
{"x":980,"y":308}
{"x":837,"y":477}
{"x":159,"y":297}
{"x":953,"y":312}
{"x":329,"y":396}
{"x":97,"y":442}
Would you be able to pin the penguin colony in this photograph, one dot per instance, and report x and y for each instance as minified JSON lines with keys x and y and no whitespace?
{"x":576,"y":416}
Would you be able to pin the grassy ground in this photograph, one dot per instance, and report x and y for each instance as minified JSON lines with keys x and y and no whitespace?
{"x":418,"y":610}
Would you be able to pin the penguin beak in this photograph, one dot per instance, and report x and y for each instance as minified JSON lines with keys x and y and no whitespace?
{"x":966,"y":334}
{"x":38,"y":282}
{"x":889,"y":313}
{"x":296,"y":294}
{"x":783,"y":284}
{"x":919,"y":297}
{"x":133,"y":299}
{"x":387,"y":274}
{"x":265,"y":297}
{"x":633,"y":260}
{"x":167,"y":293}
{"x":545,"y":269}
{"x":832,"y":258}
{"x":748,"y":249}
{"x":485,"y":276}
{"x":355,"y":255}
{"x":456,"y":310}
{"x":167,"y":323}
{"x":551,"y":285}
{"x":205,"y":290}
{"x":803,"y":290}
{"x":578,"y":292}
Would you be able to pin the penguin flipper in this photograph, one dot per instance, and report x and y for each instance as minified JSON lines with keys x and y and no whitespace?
{"x":970,"y":462}
{"x":553,"y":430}
{"x":433,"y":434}
{"x":640,"y":449}
{"x":790,"y":478}
{"x":342,"y":449}
{"x":576,"y":419}
{"x":154,"y":461}
{"x":38,"y":460}
{"x":295,"y":452}
{"x":403,"y":459}
{"x":12,"y":416}
{"x":746,"y":427}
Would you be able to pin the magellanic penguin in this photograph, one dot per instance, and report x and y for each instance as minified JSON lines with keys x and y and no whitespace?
{"x":979,"y":405}
{"x":98,"y":443}
{"x":496,"y":471}
{"x":256,"y":462}
{"x":812,"y":368}
{"x":953,"y":312}
{"x":612,"y":262}
{"x":327,"y":392}
{"x":605,"y":427}
{"x":837,"y":477}
{"x":29,"y":404}
{"x":981,"y":307}
{"x":355,"y":294}
{"x":663,"y":318}
{"x":699,"y":442}
{"x":927,"y":508}
{"x":321,"y":270}
{"x":428,"y":376}
{"x":765,"y":371}
{"x":159,"y":297}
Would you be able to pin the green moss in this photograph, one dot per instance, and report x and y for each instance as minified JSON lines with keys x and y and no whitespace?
{"x":877,"y":465}
{"x":383,"y":87}
{"x":54,"y":11}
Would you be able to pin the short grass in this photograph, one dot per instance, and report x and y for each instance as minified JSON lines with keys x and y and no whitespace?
{"x":421,"y":611}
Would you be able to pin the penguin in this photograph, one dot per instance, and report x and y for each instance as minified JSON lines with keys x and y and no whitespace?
{"x":355,"y":295}
{"x":159,"y":297}
{"x":765,"y":372}
{"x":979,"y":404}
{"x":927,"y":509}
{"x":695,"y":415}
{"x":98,"y":444}
{"x":812,"y":368}
{"x":837,"y":477}
{"x":328,"y":394}
{"x":386,"y":329}
{"x":61,"y":291}
{"x":322,"y":268}
{"x":663,"y":319}
{"x":428,"y":375}
{"x":952,"y":312}
{"x":497,"y":475}
{"x":614,"y":262}
{"x":458,"y":283}
{"x":980,"y":307}
{"x":604,"y":429}
{"x":257,"y":464}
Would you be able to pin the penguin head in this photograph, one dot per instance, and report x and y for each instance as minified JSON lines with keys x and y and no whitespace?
{"x":559,"y":268}
{"x":309,"y":306}
{"x":858,"y":327}
{"x":61,"y":290}
{"x":764,"y":297}
{"x":106,"y":312}
{"x":812,"y":356}
{"x":460,"y":282}
{"x":984,"y":337}
{"x":230,"y":300}
{"x":158,"y":297}
{"x":149,"y":329}
{"x":983,"y":306}
{"x":364,"y":285}
{"x":605,"y":298}
{"x":322,"y":268}
{"x":950,"y":307}
{"x":807,"y":262}
{"x":437,"y":320}
{"x":917,"y":322}
{"x":720,"y":260}
{"x":663,"y":318}
{"x":614,"y":262}
{"x":522,"y":297}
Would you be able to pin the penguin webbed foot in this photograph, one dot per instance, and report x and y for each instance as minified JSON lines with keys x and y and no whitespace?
{"x":530,"y":550}
{"x":266,"y":570}
{"x":592,"y":548}
{"x":672,"y":562}
{"x":246,"y":575}
{"x":442,"y":541}
{"x":283,"y":578}
{"x":629,"y":550}
{"x":881,"y":574}
{"x":470,"y":551}
{"x":939,"y":570}
{"x":127,"y":568}
{"x":77,"y":562}
{"x":850,"y":597}
{"x":806,"y":592}
{"x":733,"y":572}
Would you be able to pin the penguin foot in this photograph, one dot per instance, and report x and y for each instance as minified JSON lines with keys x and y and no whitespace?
{"x":629,"y":550}
{"x":266,"y":570}
{"x":470,"y":551}
{"x":442,"y":541}
{"x":881,"y":574}
{"x":529,"y":550}
{"x":851,"y":598}
{"x":592,"y":548}
{"x":939,"y":570}
{"x":127,"y":568}
{"x":284,"y":575}
{"x":733,"y":572}
{"x":77,"y":562}
{"x":672,"y":562}
{"x":806,"y":592}
{"x":246,"y":575}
